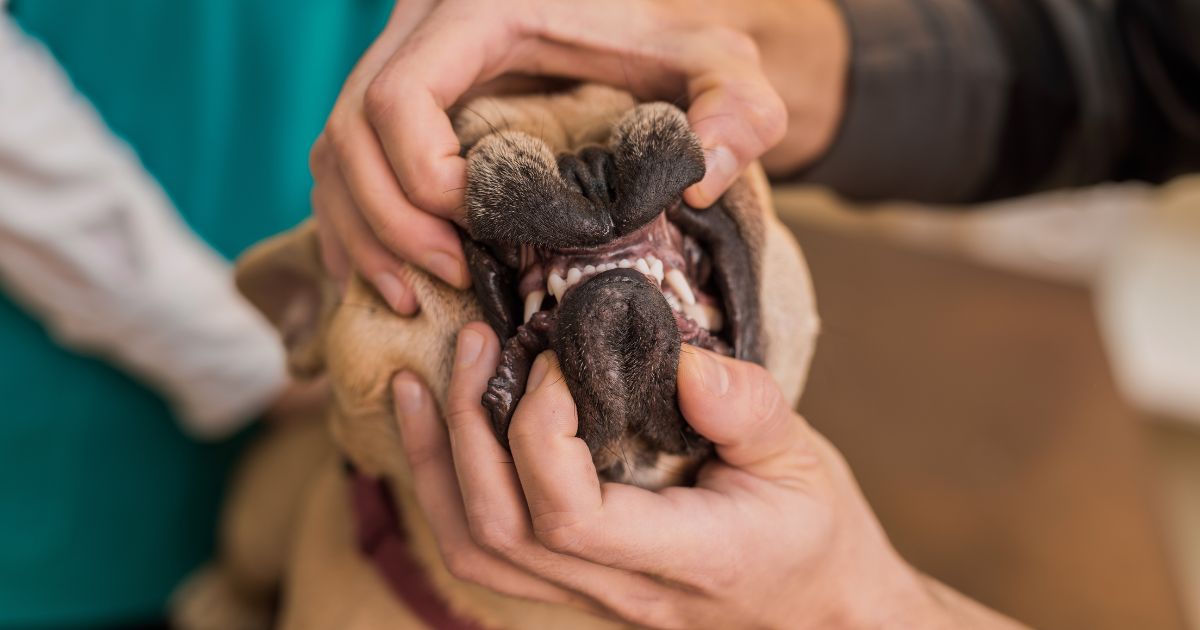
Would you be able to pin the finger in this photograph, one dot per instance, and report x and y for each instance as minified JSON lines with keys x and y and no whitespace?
{"x":427,"y":448}
{"x":425,"y":240}
{"x":491,"y":493}
{"x":406,"y":104}
{"x":668,"y":534}
{"x":494,"y":505}
{"x":733,"y":108}
{"x":737,"y":116}
{"x":333,"y":256}
{"x":739,"y":407}
{"x":336,"y":211}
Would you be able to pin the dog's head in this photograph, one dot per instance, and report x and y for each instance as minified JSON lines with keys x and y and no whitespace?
{"x":578,"y":242}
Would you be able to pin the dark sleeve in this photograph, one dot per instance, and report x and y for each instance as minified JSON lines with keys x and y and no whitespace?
{"x":967,"y":100}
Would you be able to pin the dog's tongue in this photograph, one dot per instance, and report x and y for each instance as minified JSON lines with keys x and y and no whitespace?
{"x":617,"y":342}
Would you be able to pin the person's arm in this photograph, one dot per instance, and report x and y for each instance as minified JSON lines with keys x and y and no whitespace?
{"x":91,"y":245}
{"x":775,"y":533}
{"x":969,"y":100}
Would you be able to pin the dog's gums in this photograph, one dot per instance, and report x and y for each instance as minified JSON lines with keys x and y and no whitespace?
{"x":592,"y":254}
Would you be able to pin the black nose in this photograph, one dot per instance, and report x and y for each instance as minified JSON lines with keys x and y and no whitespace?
{"x":590,"y":173}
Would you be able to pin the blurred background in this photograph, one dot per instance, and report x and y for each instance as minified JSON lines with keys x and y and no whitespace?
{"x":1017,"y":388}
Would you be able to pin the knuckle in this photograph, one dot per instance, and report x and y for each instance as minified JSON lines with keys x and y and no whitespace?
{"x":559,"y":534}
{"x":319,"y":157}
{"x":463,"y":564}
{"x":498,"y":537}
{"x":422,"y":454}
{"x":338,"y":138}
{"x":461,"y":410}
{"x":379,"y":100}
{"x":734,"y":43}
{"x":770,"y":118}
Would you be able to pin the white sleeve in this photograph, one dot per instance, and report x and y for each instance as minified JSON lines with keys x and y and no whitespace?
{"x":92,"y":246}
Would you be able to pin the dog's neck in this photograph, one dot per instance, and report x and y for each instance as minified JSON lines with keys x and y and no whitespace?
{"x":384,"y":541}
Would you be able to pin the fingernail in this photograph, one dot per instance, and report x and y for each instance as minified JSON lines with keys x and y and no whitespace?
{"x":720,"y":167}
{"x":391,"y":288}
{"x":538,"y":373}
{"x":446,"y":267}
{"x":470,"y":344}
{"x":408,"y":393}
{"x":713,"y":374}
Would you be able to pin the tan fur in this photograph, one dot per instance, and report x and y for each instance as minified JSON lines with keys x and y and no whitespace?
{"x":361,"y":344}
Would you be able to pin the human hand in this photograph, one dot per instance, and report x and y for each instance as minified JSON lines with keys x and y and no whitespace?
{"x":387,"y":167}
{"x":774,"y":534}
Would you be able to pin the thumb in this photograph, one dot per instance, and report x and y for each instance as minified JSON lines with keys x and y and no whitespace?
{"x":736,"y":123}
{"x":739,"y":407}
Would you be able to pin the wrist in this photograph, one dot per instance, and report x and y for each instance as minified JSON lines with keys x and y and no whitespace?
{"x":888,"y":594}
{"x":805,"y":49}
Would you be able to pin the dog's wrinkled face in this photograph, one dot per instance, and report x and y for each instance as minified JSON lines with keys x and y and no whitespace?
{"x":578,"y":243}
{"x":591,"y":252}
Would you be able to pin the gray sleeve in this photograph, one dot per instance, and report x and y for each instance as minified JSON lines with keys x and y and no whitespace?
{"x":923,"y":105}
{"x":960,"y":100}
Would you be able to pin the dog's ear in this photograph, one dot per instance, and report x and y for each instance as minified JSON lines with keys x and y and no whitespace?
{"x":284,"y":278}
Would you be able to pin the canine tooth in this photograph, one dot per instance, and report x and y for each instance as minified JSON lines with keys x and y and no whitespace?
{"x":680,"y":285}
{"x":706,"y":316}
{"x":533,"y":303}
{"x":656,"y":269}
{"x":573,"y":276}
{"x":643,"y":266}
{"x":556,"y":285}
{"x":625,"y":264}
{"x":589,"y":269}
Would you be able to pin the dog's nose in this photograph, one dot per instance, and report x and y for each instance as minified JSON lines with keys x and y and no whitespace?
{"x":590,"y":173}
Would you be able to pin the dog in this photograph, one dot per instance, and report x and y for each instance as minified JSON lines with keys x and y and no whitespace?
{"x":577,"y":241}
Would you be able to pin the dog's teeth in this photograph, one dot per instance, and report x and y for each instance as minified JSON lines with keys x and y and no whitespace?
{"x":625,"y":264}
{"x":610,"y":266}
{"x":643,"y":266}
{"x":573,"y":276}
{"x":533,"y":303}
{"x":680,"y":285}
{"x":656,"y":270}
{"x":556,"y":285}
{"x":589,"y":269}
{"x":706,"y":316}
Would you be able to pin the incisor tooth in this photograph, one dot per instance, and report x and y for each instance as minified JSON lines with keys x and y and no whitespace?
{"x":643,"y":266}
{"x":573,"y":276}
{"x":680,"y":285}
{"x":589,"y":269}
{"x":656,"y":269}
{"x":556,"y":285}
{"x":533,"y":303}
{"x":625,"y":264}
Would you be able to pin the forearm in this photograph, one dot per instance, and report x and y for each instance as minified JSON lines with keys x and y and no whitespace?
{"x":92,"y":246}
{"x":955,"y":100}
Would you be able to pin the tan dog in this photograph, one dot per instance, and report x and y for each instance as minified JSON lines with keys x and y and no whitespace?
{"x":289,"y":526}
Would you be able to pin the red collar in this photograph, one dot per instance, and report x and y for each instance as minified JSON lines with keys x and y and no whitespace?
{"x":383,"y":540}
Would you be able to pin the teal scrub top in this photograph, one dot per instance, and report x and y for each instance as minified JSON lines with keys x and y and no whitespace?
{"x":104,"y":505}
